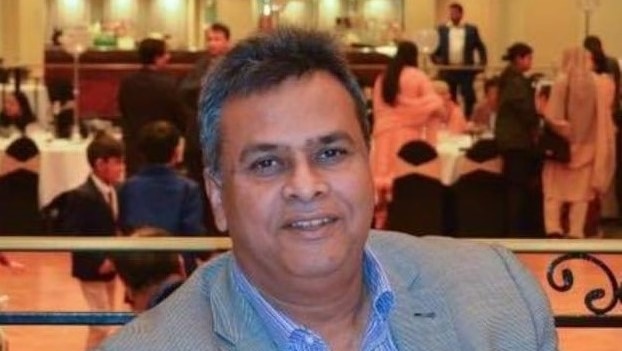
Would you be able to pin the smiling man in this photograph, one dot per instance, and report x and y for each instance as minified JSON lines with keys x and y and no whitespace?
{"x":286,"y":143}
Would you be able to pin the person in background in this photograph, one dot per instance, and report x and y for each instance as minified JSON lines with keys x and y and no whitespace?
{"x":403,"y":103}
{"x":286,"y":139}
{"x":604,"y":64}
{"x":148,"y":95}
{"x":156,"y":195}
{"x":16,"y":111}
{"x":217,"y":42}
{"x":458,"y":43}
{"x":148,"y":277}
{"x":485,"y":112}
{"x":92,"y":210}
{"x":449,"y":117}
{"x":515,"y":132}
{"x":579,"y":109}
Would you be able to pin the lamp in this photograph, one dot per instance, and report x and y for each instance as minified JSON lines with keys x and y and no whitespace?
{"x":75,"y":40}
{"x":427,"y":41}
{"x":587,"y":6}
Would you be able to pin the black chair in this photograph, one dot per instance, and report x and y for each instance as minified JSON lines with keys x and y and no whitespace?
{"x":19,"y":189}
{"x":418,"y":200}
{"x":479,"y":195}
{"x":53,"y":213}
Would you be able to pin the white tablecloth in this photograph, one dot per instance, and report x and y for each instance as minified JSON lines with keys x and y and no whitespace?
{"x":451,"y":149}
{"x":38,"y":98}
{"x":63,"y":165}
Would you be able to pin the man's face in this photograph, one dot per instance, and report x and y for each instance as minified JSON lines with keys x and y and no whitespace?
{"x":455,"y":15}
{"x":525,"y":62}
{"x":216,"y":42}
{"x":296,"y":190}
{"x":110,"y":170}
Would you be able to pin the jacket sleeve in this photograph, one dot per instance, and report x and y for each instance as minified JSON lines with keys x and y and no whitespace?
{"x":535,"y":300}
{"x":480,"y":47}
{"x":192,"y":212}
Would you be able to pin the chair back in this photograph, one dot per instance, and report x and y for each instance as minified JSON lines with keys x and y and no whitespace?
{"x":418,"y":196}
{"x":19,"y":188}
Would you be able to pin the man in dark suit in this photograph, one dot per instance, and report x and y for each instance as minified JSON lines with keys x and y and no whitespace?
{"x":458,"y":43}
{"x":148,"y":95}
{"x":91,"y":211}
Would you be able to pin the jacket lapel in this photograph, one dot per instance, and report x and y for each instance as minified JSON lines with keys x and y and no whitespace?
{"x":235,"y":321}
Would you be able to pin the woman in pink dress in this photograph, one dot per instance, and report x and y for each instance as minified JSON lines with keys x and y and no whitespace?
{"x":403,"y":103}
{"x":580,"y":110}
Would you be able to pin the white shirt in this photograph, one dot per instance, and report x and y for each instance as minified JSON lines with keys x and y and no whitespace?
{"x":457,"y":35}
{"x":109,"y":194}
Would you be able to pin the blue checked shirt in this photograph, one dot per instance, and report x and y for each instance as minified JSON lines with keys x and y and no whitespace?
{"x":290,"y":336}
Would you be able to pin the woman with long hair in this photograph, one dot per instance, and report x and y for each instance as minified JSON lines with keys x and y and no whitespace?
{"x":403,"y":103}
{"x":16,"y":111}
{"x":579,"y":109}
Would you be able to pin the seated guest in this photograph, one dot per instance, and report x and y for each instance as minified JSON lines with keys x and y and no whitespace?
{"x":286,"y":139}
{"x":485,"y":112}
{"x":156,"y":195}
{"x":149,"y":277}
{"x":91,"y":211}
{"x":16,"y":111}
{"x":449,"y":116}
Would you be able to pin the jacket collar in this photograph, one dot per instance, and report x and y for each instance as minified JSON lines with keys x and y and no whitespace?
{"x":419,"y":320}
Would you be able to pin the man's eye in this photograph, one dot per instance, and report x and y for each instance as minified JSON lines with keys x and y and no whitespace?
{"x":331,"y":155}
{"x":266,"y":166}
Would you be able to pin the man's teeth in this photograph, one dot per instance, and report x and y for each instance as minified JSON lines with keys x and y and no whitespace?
{"x":311,"y":223}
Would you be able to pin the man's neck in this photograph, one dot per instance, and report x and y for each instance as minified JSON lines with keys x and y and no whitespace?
{"x":337,"y":310}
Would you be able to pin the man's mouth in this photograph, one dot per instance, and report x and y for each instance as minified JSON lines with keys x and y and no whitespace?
{"x":311,"y":224}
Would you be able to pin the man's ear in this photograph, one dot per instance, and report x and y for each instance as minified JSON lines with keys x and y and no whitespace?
{"x":213,"y":187}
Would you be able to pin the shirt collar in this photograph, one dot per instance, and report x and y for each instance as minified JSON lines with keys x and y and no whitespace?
{"x":101,"y":186}
{"x":283,"y":329}
{"x":451,"y":25}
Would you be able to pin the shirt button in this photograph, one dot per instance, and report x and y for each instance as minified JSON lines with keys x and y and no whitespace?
{"x":309,"y":339}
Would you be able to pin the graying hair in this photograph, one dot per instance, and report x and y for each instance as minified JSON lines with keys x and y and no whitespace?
{"x":262,"y":62}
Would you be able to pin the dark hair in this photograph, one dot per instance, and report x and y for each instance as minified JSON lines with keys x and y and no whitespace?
{"x":157,"y":141}
{"x":139,"y":270}
{"x":517,"y":50}
{"x":491,"y":83}
{"x":221,"y":27}
{"x":104,"y":146}
{"x":262,"y":62}
{"x":457,"y":6}
{"x":593,"y":44}
{"x":26,"y":116}
{"x":545,"y":91}
{"x":406,"y":56}
{"x":150,"y":49}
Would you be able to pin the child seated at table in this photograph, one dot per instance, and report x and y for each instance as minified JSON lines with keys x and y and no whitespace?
{"x":16,"y":113}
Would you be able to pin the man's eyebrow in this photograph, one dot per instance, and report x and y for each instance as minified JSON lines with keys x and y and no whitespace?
{"x":331,"y":138}
{"x":258,"y":148}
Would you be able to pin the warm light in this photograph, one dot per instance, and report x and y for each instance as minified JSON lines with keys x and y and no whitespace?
{"x":71,"y":4}
{"x":170,"y":5}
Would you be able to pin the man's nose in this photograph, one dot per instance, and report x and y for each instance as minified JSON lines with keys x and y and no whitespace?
{"x":305,"y":183}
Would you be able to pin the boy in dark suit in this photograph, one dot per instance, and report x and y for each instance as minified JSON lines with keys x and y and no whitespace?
{"x":91,"y":211}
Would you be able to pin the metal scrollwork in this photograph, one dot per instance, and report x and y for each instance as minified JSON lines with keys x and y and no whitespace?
{"x":593,"y":295}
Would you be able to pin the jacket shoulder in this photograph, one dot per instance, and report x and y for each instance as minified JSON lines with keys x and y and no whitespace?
{"x":183,"y":321}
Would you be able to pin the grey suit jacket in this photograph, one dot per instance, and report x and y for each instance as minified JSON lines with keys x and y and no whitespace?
{"x":450,"y":295}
